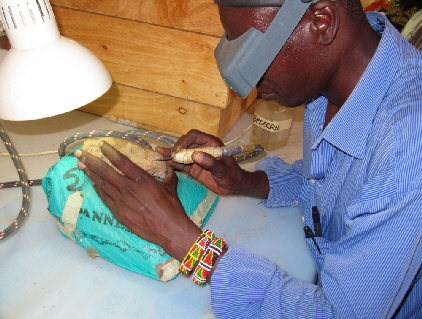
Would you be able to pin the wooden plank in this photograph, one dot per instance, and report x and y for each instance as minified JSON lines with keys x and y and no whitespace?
{"x":190,"y":15}
{"x":154,"y":58}
{"x":234,"y":111}
{"x":157,"y":112}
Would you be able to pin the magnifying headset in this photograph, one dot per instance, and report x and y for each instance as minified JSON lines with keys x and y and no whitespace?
{"x":243,"y":61}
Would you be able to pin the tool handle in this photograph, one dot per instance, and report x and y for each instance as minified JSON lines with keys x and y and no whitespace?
{"x":185,"y":156}
{"x":234,"y":150}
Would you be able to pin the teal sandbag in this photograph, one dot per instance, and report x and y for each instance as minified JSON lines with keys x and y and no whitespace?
{"x":82,"y":216}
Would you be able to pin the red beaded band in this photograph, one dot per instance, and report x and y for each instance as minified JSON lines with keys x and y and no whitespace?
{"x":198,"y":248}
{"x":208,"y":260}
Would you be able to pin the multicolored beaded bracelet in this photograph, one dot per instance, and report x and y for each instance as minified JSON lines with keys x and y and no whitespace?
{"x":198,"y":248}
{"x":207,"y":261}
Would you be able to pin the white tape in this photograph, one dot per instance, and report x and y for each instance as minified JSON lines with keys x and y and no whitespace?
{"x":71,"y":210}
{"x":271,"y":126}
{"x":203,"y":208}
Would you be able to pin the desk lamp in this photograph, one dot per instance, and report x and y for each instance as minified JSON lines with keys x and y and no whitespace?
{"x":42,"y":74}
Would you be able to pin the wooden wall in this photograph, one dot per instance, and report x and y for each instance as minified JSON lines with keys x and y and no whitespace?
{"x":160,"y":56}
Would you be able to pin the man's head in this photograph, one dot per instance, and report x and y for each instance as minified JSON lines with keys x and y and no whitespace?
{"x":290,"y":77}
{"x":241,"y":61}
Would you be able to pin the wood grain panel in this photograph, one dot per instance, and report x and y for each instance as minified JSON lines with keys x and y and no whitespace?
{"x":155,"y":111}
{"x":191,"y":15}
{"x":234,"y":111}
{"x":154,"y":58}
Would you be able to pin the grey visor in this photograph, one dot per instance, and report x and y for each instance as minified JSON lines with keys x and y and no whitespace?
{"x":243,"y":61}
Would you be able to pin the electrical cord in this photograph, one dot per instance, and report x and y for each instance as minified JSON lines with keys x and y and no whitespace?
{"x":34,"y":182}
{"x":31,"y":154}
{"x":136,"y":136}
{"x":132,"y":135}
{"x":23,"y":181}
{"x":237,"y":137}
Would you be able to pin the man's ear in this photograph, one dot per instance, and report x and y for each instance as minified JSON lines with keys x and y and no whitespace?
{"x":325,"y":21}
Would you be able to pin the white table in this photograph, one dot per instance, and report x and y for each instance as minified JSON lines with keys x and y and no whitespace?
{"x":44,"y":275}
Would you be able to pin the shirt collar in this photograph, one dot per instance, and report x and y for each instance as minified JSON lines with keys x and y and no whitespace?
{"x":350,"y":127}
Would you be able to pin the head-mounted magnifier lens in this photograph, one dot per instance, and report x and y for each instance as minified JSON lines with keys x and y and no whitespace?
{"x":243,"y":61}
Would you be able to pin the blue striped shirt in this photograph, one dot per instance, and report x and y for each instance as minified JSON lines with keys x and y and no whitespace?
{"x":364,"y":173}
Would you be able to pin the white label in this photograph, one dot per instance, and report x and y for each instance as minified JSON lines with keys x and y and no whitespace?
{"x":71,"y":210}
{"x":271,"y":126}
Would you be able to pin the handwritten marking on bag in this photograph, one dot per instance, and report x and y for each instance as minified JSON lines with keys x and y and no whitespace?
{"x":74,"y":186}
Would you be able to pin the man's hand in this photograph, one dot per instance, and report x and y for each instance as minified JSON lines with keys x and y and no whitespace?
{"x":223,"y":175}
{"x":149,"y":208}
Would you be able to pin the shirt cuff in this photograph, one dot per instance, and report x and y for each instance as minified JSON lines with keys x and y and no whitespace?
{"x":285,"y":181}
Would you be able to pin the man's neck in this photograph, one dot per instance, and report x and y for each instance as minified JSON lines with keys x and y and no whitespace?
{"x":353,"y":56}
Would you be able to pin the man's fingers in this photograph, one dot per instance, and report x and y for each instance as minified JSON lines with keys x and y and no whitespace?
{"x":108,"y":200}
{"x":166,"y":152}
{"x":186,"y":141}
{"x":171,"y":180}
{"x":195,"y":139}
{"x":105,"y":190}
{"x":124,"y":164}
{"x":210,"y":163}
{"x":97,"y":169}
{"x":201,"y":138}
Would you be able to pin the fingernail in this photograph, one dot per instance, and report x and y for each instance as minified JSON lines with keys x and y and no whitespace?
{"x":197,"y":156}
{"x":81,"y":165}
{"x":78,"y":153}
{"x":104,"y":144}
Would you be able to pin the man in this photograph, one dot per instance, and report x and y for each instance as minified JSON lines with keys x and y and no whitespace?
{"x":362,"y":170}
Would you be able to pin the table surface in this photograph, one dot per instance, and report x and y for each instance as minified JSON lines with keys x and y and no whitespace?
{"x":44,"y":275}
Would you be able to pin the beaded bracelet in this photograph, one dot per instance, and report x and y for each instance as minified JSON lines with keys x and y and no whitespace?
{"x":208,"y":260}
{"x":192,"y":257}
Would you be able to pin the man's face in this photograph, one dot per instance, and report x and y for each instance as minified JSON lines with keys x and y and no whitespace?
{"x":286,"y":79}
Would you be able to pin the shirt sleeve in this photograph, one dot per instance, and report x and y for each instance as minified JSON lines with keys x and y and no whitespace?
{"x":285,"y":181}
{"x":245,"y":285}
{"x":354,"y":282}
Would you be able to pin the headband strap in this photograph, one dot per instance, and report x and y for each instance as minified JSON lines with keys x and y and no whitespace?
{"x":250,"y":3}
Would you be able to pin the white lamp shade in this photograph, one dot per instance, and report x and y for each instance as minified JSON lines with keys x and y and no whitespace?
{"x":45,"y":74}
{"x":49,"y":80}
